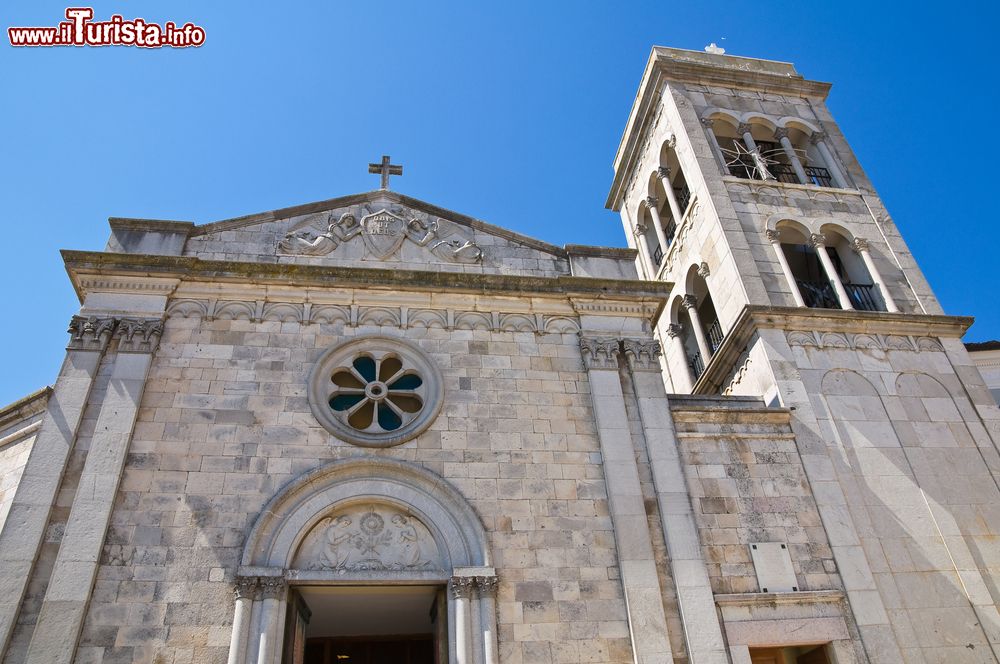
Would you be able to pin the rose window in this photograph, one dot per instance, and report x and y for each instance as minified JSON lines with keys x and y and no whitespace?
{"x":375,"y":391}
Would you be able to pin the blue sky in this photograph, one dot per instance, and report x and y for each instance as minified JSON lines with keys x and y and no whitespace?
{"x":507,"y":111}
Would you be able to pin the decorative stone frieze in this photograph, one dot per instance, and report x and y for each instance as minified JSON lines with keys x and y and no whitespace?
{"x":138,"y":335}
{"x":306,"y":313}
{"x":642,"y":354}
{"x":862,"y":341}
{"x":90,"y":332}
{"x":600,"y":352}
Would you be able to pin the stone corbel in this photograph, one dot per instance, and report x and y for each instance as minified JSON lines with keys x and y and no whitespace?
{"x":90,"y":332}
{"x":642,"y":354}
{"x":138,"y":335}
{"x":600,"y":352}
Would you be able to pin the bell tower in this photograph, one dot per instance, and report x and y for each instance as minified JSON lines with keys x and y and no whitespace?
{"x":791,"y":283}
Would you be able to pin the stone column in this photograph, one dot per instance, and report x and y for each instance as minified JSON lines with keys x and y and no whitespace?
{"x":690,"y":303}
{"x":782,"y":135}
{"x":702,"y":631}
{"x":708,"y":123}
{"x":488,"y":617}
{"x":640,"y":237}
{"x":274,"y":592}
{"x":818,"y":241}
{"x":657,"y":224}
{"x":461,"y":593}
{"x":744,"y":131}
{"x":476,"y":623}
{"x":774,"y":237}
{"x":28,"y":517}
{"x":245,"y":591}
{"x":861,"y":246}
{"x":819,"y":140}
{"x":640,"y":583}
{"x":68,"y":593}
{"x":674,"y":331}
{"x":663,"y":172}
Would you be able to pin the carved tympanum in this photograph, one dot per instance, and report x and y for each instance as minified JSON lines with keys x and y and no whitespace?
{"x":369,"y":538}
{"x":383,"y":232}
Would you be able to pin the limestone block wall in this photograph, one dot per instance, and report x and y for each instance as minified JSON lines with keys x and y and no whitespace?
{"x":747,"y":485}
{"x":224,"y":422}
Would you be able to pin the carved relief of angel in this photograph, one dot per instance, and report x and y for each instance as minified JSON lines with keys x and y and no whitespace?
{"x":408,"y":537}
{"x":335,"y":549}
{"x":420,"y":232}
{"x":306,"y":243}
{"x":458,"y":251}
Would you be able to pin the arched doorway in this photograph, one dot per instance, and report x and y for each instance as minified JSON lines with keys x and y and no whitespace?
{"x":377,"y":557}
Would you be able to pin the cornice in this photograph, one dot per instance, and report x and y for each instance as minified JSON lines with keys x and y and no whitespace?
{"x":609,"y":296}
{"x":24,"y":407}
{"x":771,"y":599}
{"x":128,"y":284}
{"x":874,"y":329}
{"x":150,"y":225}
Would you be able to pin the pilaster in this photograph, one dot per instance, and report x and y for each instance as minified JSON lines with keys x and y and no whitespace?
{"x":25,"y":525}
{"x":68,"y":593}
{"x":640,"y":582}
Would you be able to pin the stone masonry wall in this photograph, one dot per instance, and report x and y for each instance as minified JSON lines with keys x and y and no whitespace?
{"x":747,"y":485}
{"x":224,"y":422}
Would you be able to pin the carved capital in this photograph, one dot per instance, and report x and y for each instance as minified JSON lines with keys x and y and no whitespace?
{"x":90,"y":332}
{"x":640,"y":229}
{"x":600,"y":353}
{"x":663,"y":172}
{"x":703,"y":270}
{"x":860,"y":245}
{"x":487,"y":585}
{"x":817,"y":240}
{"x":773,"y":236}
{"x":461,"y":586}
{"x":672,"y":141}
{"x":675,"y":330}
{"x":817,"y":137}
{"x":689,"y":302}
{"x":138,"y":335}
{"x":246,"y":587}
{"x":744,"y":128}
{"x":651,"y":202}
{"x":642,"y":354}
{"x":707,"y":122}
{"x":780,"y":133}
{"x":273,"y":587}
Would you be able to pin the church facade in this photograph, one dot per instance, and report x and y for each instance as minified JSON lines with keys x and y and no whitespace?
{"x":371,"y":430}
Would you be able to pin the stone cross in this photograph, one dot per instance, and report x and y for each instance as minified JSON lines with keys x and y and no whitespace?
{"x":386,"y":169}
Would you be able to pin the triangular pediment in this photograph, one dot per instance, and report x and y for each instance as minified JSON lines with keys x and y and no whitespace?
{"x":380,"y":228}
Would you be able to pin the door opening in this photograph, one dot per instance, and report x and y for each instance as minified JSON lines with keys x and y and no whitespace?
{"x":367,"y":625}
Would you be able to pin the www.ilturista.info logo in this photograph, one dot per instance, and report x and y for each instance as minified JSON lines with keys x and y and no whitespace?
{"x":80,"y":30}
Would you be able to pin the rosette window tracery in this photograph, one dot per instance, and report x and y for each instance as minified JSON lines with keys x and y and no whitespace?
{"x":376,"y":394}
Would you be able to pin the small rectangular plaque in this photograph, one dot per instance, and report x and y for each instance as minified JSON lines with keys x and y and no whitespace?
{"x":773,"y":564}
